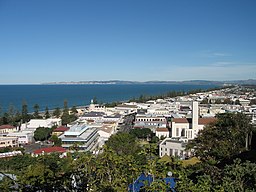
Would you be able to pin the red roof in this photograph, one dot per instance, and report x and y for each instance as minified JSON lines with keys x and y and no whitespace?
{"x":201,"y":121}
{"x":61,"y":129}
{"x":205,"y":121}
{"x":180,"y":120}
{"x":162,"y":130}
{"x":6,"y":127}
{"x":50,"y":150}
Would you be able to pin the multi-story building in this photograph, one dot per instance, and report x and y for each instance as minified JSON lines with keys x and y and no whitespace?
{"x":83,"y":136}
{"x":24,"y":137}
{"x":8,"y":142}
{"x":150,"y":121}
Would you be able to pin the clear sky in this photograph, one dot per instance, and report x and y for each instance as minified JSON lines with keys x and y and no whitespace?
{"x":67,"y":40}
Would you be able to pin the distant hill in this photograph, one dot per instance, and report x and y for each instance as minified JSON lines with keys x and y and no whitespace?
{"x":191,"y":82}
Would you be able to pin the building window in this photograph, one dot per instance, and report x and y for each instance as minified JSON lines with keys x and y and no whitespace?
{"x":183,"y":132}
{"x":176,"y":152}
{"x":177,"y":132}
{"x":171,"y":151}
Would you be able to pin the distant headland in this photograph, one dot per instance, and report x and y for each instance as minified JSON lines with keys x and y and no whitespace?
{"x":120,"y":82}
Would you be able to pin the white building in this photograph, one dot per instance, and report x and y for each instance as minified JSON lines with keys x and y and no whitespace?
{"x":35,"y":123}
{"x":162,"y":132}
{"x":92,"y":116}
{"x":150,"y":121}
{"x":126,"y":108}
{"x":8,"y":142}
{"x":174,"y":147}
{"x":84,"y":136}
{"x":24,"y":137}
{"x":189,"y":127}
{"x":5,"y":129}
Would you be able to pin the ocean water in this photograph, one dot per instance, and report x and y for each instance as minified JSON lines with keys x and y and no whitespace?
{"x":53,"y":96}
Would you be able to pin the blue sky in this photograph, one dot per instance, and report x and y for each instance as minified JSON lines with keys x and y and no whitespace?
{"x":65,"y":40}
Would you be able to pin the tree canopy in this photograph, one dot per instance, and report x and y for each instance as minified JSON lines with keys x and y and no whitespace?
{"x":224,"y":138}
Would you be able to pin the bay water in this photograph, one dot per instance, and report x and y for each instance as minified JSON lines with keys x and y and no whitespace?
{"x":53,"y":96}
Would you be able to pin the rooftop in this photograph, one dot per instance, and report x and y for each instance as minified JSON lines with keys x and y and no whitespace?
{"x":50,"y":150}
{"x":7,"y":127}
{"x":61,"y":129}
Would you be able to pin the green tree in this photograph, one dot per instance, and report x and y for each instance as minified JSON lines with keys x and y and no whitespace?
{"x":253,"y":102}
{"x":47,"y":114}
{"x":24,"y":112}
{"x":56,"y":112}
{"x":204,"y":101}
{"x":36,"y":111}
{"x":1,"y":115}
{"x":237,"y":102}
{"x":74,"y":110}
{"x":123,"y":144}
{"x":56,"y":140}
{"x":11,"y":114}
{"x":49,"y":173}
{"x":141,"y":133}
{"x":224,"y":138}
{"x":42,"y":133}
{"x":6,"y":118}
{"x":65,"y":115}
{"x":239,"y":176}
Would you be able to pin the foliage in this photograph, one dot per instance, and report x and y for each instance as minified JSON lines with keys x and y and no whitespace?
{"x":16,"y":163}
{"x":74,"y":110}
{"x":123,"y":144}
{"x":253,"y":102}
{"x":49,"y":173}
{"x":36,"y":112}
{"x":66,"y":117}
{"x":47,"y":114}
{"x":24,"y":112}
{"x":56,"y":112}
{"x":55,"y":140}
{"x":42,"y":133}
{"x":239,"y":176}
{"x":141,"y":133}
{"x":224,"y":138}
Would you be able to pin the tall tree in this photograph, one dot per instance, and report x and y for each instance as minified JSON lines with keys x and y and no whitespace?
{"x":47,"y":114}
{"x":24,"y":112}
{"x":74,"y":110}
{"x":1,"y":115}
{"x":56,"y":112}
{"x":65,"y":115}
{"x":36,"y":111}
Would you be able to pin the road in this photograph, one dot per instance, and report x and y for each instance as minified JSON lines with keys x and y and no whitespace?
{"x":127,"y":123}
